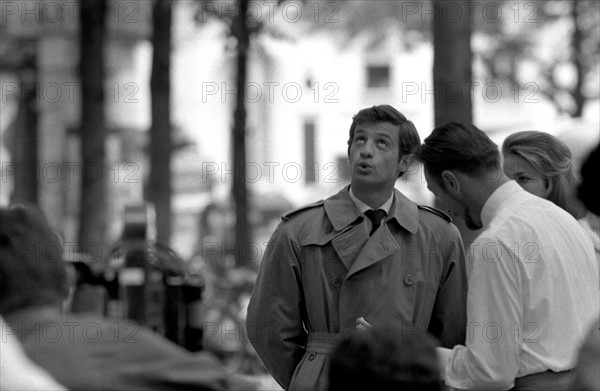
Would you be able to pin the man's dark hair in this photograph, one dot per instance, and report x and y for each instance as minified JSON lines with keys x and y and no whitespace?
{"x":409,"y":140}
{"x":459,"y":146}
{"x":588,"y":189}
{"x":32,"y":272}
{"x":384,"y":359}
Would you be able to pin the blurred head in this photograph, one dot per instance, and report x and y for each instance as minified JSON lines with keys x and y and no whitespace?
{"x":453,"y":155}
{"x":381,"y":359}
{"x":588,"y":189}
{"x":543,"y":165}
{"x":405,"y":142}
{"x":31,"y":271}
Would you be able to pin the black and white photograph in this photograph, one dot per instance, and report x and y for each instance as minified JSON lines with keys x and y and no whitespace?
{"x":299,"y":195}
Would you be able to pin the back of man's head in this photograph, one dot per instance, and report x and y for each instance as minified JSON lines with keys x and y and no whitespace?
{"x":462,"y":147}
{"x":31,"y":268}
{"x":384,"y":359}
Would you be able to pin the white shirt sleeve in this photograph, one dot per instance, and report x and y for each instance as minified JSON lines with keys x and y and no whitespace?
{"x":490,"y":359}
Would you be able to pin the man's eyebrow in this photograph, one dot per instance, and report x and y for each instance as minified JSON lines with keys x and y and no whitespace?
{"x":384,"y":135}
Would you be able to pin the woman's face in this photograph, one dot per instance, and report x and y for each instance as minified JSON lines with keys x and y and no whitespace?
{"x":517,"y":168}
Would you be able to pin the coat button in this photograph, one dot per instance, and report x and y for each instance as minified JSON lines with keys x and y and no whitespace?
{"x":337,"y":281}
{"x":409,"y":279}
{"x":312,"y":356}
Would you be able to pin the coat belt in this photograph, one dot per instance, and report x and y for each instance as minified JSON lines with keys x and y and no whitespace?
{"x":319,"y":342}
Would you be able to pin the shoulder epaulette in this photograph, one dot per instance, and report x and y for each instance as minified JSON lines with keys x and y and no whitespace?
{"x":287,"y":215}
{"x":436,"y":211}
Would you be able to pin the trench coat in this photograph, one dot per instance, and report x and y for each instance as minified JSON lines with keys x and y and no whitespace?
{"x":321,"y":271}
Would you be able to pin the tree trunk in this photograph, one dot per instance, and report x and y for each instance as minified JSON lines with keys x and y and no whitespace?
{"x":577,"y":55}
{"x":93,"y":203}
{"x":24,"y":146}
{"x":159,"y":189}
{"x":242,"y":232}
{"x":452,"y":75}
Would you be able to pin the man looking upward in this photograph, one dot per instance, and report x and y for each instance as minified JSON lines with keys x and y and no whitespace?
{"x":367,"y":254}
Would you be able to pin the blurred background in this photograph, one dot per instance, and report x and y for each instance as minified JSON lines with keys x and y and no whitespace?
{"x":190,"y":126}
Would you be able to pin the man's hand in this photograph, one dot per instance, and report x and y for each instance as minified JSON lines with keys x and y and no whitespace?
{"x":362,"y":324}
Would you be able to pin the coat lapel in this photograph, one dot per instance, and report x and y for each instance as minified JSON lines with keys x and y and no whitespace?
{"x":343,"y":216}
{"x":349,"y":244}
{"x":353,"y":245}
{"x":380,"y":246}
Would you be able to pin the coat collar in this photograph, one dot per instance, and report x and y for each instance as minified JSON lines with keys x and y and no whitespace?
{"x":341,"y":211}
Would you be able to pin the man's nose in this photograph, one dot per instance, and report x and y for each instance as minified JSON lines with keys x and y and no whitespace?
{"x":367,"y":149}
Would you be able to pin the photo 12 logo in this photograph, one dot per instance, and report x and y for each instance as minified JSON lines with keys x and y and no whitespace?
{"x":454,"y":11}
{"x":490,"y":92}
{"x":253,"y":172}
{"x":269,"y":91}
{"x":261,"y":12}
{"x":68,"y":91}
{"x":46,"y":12}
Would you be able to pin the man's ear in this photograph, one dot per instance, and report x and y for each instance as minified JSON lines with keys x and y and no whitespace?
{"x":404,"y":163}
{"x":450,"y":182}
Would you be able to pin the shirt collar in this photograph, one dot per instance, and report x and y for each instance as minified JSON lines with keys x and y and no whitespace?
{"x":362,"y":207}
{"x":495,"y":201}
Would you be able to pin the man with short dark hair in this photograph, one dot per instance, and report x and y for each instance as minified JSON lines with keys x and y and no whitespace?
{"x":366,"y":253}
{"x":533,"y":275}
{"x":84,"y":352}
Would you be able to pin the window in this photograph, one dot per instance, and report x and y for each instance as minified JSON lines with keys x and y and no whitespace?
{"x":378,"y":76}
{"x":309,"y":151}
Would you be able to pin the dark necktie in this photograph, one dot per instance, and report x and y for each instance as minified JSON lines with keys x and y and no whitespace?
{"x":375,"y":216}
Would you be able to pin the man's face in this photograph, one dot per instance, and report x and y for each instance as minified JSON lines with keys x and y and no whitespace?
{"x":519,"y":169}
{"x":454,"y":204}
{"x":373,"y":154}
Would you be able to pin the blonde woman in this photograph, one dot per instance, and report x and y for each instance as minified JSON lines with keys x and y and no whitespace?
{"x":543,"y":165}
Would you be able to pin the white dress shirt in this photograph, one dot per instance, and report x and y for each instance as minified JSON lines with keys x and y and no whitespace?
{"x":533,"y":293}
{"x":586,"y":223}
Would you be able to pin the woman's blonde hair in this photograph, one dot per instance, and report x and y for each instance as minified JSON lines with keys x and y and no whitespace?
{"x":553,"y":160}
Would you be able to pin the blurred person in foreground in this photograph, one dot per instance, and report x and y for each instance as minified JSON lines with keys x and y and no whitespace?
{"x":587,"y":373}
{"x":533,"y":274}
{"x":543,"y":165}
{"x":334,"y":262}
{"x":85,"y":352}
{"x":385,"y":359}
{"x":17,"y":371}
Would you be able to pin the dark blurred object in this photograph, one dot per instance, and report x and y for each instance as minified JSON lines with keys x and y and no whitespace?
{"x":587,"y":373}
{"x":588,"y":189}
{"x":89,"y":292}
{"x":385,"y":358}
{"x":145,"y":282}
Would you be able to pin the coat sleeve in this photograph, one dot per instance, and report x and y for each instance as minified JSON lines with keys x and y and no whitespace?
{"x":449,"y":317}
{"x":274,"y":321}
